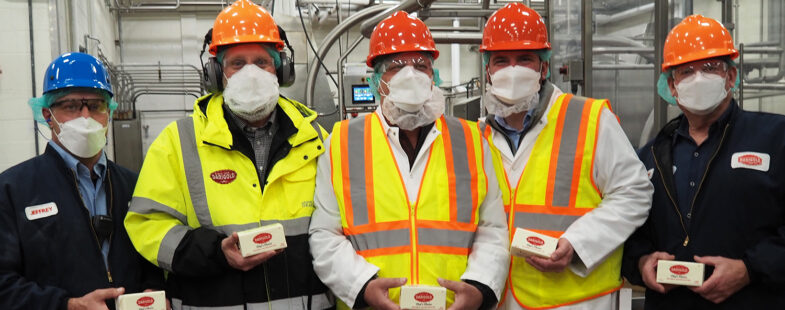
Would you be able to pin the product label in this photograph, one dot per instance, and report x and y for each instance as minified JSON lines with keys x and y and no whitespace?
{"x":223,"y":176}
{"x":750,"y":160}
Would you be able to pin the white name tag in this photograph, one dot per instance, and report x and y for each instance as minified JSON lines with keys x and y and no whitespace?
{"x":750,"y":160}
{"x":41,"y":211}
{"x":650,"y":173}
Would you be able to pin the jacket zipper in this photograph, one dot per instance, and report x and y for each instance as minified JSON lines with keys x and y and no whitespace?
{"x":694,"y":198}
{"x":90,"y":222}
{"x":415,"y":266}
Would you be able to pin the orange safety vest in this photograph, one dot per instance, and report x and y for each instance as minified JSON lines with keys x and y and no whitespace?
{"x":428,"y":239}
{"x":555,"y":189}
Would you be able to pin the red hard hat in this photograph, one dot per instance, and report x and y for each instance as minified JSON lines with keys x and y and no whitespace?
{"x":515,"y":27}
{"x":400,"y":33}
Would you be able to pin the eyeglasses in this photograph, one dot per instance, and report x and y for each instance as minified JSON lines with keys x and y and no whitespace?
{"x":717,"y":67}
{"x":75,"y":106}
{"x":422,"y":64}
{"x":238,"y":63}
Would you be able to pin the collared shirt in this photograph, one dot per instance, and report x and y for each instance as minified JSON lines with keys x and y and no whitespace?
{"x":261,"y":139}
{"x":511,"y":132}
{"x":93,"y":193}
{"x":691,"y":160}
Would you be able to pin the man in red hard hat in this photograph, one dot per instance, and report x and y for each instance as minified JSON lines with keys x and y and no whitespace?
{"x":406,"y":195}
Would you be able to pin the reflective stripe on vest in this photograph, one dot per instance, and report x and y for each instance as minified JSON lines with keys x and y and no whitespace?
{"x":563,"y":157}
{"x":421,"y":240}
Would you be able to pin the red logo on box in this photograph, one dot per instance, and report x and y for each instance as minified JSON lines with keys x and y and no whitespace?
{"x":145,"y":301}
{"x":750,"y":160}
{"x":535,"y":240}
{"x":679,"y":269}
{"x":223,"y":176}
{"x":423,"y":297}
{"x":262,"y":238}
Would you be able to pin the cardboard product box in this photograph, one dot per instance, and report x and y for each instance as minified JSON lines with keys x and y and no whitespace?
{"x":262,"y":239}
{"x":142,"y":301}
{"x":680,"y":273}
{"x":526,"y":243}
{"x":423,"y":297}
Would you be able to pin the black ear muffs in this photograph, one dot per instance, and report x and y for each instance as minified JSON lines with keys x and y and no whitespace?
{"x":212,"y":73}
{"x":285,"y":72}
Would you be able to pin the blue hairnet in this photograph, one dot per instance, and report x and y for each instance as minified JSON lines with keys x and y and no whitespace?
{"x":665,"y":92}
{"x":273,"y":53}
{"x":47,"y":99}
{"x":378,"y":70}
{"x":544,"y":54}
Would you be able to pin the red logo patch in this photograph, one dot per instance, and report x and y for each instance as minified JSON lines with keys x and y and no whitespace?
{"x":750,"y":160}
{"x":423,"y":297}
{"x":535,"y":241}
{"x":223,"y":176}
{"x":145,"y":301}
{"x":679,"y":269}
{"x":262,"y":238}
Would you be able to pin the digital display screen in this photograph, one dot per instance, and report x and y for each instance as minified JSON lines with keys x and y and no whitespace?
{"x":362,"y":94}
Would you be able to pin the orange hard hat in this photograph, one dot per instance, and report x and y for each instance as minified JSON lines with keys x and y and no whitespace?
{"x":400,"y":33}
{"x":515,"y":27}
{"x":244,"y":22}
{"x":695,"y":38}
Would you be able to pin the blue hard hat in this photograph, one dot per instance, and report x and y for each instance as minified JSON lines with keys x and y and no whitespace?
{"x":76,"y":70}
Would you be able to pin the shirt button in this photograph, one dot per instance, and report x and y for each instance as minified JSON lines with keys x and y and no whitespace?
{"x":258,"y":142}
{"x":692,"y":184}
{"x":696,"y":154}
{"x":261,"y":168}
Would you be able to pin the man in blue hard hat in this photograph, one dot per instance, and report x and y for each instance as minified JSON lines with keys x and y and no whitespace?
{"x":62,"y":242}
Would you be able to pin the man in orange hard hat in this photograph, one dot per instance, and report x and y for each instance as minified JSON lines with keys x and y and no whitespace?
{"x":247,"y":157}
{"x":565,"y":167}
{"x":718,"y":183}
{"x":406,"y":195}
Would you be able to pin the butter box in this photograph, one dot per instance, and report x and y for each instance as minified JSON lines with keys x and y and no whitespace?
{"x":526,"y":243}
{"x":423,"y":297}
{"x":142,"y":301}
{"x":680,"y":273}
{"x":261,"y":239}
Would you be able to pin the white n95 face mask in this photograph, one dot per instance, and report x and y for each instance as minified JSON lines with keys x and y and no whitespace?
{"x":83,"y":137}
{"x":701,"y":93}
{"x":515,"y":84}
{"x":251,"y":93}
{"x":409,"y":89}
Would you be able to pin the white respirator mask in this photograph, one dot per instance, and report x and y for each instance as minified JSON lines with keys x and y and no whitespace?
{"x":515,"y":85}
{"x":83,"y":137}
{"x":701,"y":93}
{"x":251,"y":93}
{"x":409,"y":89}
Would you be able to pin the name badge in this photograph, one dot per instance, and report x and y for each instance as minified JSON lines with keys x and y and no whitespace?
{"x":41,"y":211}
{"x":750,"y":160}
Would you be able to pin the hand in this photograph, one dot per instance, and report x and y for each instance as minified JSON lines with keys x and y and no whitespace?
{"x":95,"y":300}
{"x":168,"y":304}
{"x":377,"y":293}
{"x":730,"y":276}
{"x":236,"y":260}
{"x":647,"y":265}
{"x":558,"y":260}
{"x":466,"y":295}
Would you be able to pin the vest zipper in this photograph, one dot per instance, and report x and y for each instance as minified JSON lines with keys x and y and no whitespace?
{"x":90,"y":222}
{"x":694,"y":198}
{"x":415,"y":265}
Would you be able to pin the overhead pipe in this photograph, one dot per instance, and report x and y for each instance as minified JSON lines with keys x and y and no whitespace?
{"x":407,"y":5}
{"x":32,"y":68}
{"x":157,"y":6}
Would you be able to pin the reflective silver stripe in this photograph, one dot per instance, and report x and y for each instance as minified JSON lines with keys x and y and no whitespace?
{"x":380,"y":239}
{"x":318,"y":130}
{"x":193,"y":171}
{"x":463,"y":179}
{"x":356,"y":155}
{"x":293,"y":227}
{"x":318,"y":302}
{"x":566,"y":160}
{"x":445,"y":237}
{"x":168,"y":244}
{"x":553,"y":222}
{"x":143,"y":205}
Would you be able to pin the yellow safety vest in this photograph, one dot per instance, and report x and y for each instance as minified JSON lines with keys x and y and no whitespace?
{"x":192,"y":177}
{"x":555,"y":189}
{"x":423,"y":241}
